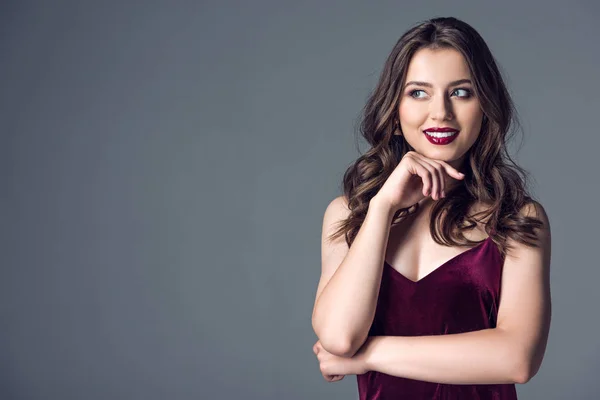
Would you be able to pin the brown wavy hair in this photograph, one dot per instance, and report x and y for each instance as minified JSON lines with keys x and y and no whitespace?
{"x":492,"y":177}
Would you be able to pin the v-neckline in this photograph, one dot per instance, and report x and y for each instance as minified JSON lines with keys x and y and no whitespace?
{"x":398,"y":273}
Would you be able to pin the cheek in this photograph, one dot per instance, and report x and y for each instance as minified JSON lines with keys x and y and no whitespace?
{"x":410,"y":114}
{"x":471,"y":122}
{"x":471,"y":114}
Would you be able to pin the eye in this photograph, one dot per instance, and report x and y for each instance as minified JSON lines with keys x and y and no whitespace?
{"x":412,"y":93}
{"x":467,"y":91}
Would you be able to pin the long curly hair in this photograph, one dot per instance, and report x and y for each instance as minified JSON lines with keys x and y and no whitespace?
{"x":492,"y":177}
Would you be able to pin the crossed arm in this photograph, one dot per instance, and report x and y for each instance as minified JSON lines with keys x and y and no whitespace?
{"x":512,"y":352}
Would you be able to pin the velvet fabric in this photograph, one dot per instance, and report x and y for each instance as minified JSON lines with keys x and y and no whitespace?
{"x":461,"y":295}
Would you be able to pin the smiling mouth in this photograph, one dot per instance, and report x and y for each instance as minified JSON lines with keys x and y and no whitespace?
{"x":441,"y":138}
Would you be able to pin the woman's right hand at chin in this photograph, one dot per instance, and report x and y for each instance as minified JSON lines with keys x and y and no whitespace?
{"x":414,"y":178}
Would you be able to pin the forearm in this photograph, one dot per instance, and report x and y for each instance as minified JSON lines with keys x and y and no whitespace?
{"x":480,"y":357}
{"x":345,"y":309}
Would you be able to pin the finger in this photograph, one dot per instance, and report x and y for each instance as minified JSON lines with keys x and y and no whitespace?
{"x":333,"y":378}
{"x":426,"y":172}
{"x":451,"y":170}
{"x":414,"y":167}
{"x":439,"y":177}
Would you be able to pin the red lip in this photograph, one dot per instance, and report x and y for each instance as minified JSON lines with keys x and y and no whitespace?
{"x":441,"y":129}
{"x":442,"y":140}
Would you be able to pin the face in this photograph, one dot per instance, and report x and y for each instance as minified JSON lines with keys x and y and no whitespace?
{"x":437,"y":101}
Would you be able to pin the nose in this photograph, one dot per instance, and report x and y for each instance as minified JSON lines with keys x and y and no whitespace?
{"x":441,"y":108}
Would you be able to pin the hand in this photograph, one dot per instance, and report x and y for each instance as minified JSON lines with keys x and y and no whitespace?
{"x":334,"y":368}
{"x":415,"y":178}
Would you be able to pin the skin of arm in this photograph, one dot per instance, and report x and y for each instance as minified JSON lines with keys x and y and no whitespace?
{"x":512,"y":352}
{"x":350,"y":280}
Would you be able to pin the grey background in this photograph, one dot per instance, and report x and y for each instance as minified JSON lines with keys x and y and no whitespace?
{"x":165,"y":167}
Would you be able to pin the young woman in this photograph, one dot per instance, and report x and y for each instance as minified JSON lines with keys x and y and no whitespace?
{"x":435,"y":261}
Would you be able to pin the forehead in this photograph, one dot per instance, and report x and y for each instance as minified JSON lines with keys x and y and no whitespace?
{"x":438,"y":66}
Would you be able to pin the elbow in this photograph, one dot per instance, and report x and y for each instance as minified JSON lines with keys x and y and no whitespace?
{"x":523,"y":377}
{"x":520,"y":361}
{"x":336,"y":343}
{"x":523,"y":371}
{"x":529,"y":365}
{"x":337,"y":346}
{"x":332,"y":341}
{"x":339,"y":343}
{"x":342,"y":346}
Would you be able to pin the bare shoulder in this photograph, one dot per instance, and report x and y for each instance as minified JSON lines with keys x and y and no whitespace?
{"x":340,"y":203}
{"x":534,"y":209}
{"x":337,"y":210}
{"x":526,"y":303}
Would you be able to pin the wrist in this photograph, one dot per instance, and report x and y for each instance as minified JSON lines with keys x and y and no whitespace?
{"x":381,"y":205}
{"x":367,"y":356}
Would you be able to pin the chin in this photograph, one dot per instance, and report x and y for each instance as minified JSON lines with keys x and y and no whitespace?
{"x":440,"y":154}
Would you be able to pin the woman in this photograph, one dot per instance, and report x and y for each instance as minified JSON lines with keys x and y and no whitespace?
{"x":435,"y":261}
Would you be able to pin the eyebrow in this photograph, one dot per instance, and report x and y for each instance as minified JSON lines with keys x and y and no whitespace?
{"x":420,"y":83}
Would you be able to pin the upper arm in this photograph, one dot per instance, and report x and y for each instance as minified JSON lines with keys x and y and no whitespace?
{"x":525,"y":307}
{"x":332,"y":252}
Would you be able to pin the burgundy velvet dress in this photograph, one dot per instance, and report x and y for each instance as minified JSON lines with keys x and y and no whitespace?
{"x":461,"y":295}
